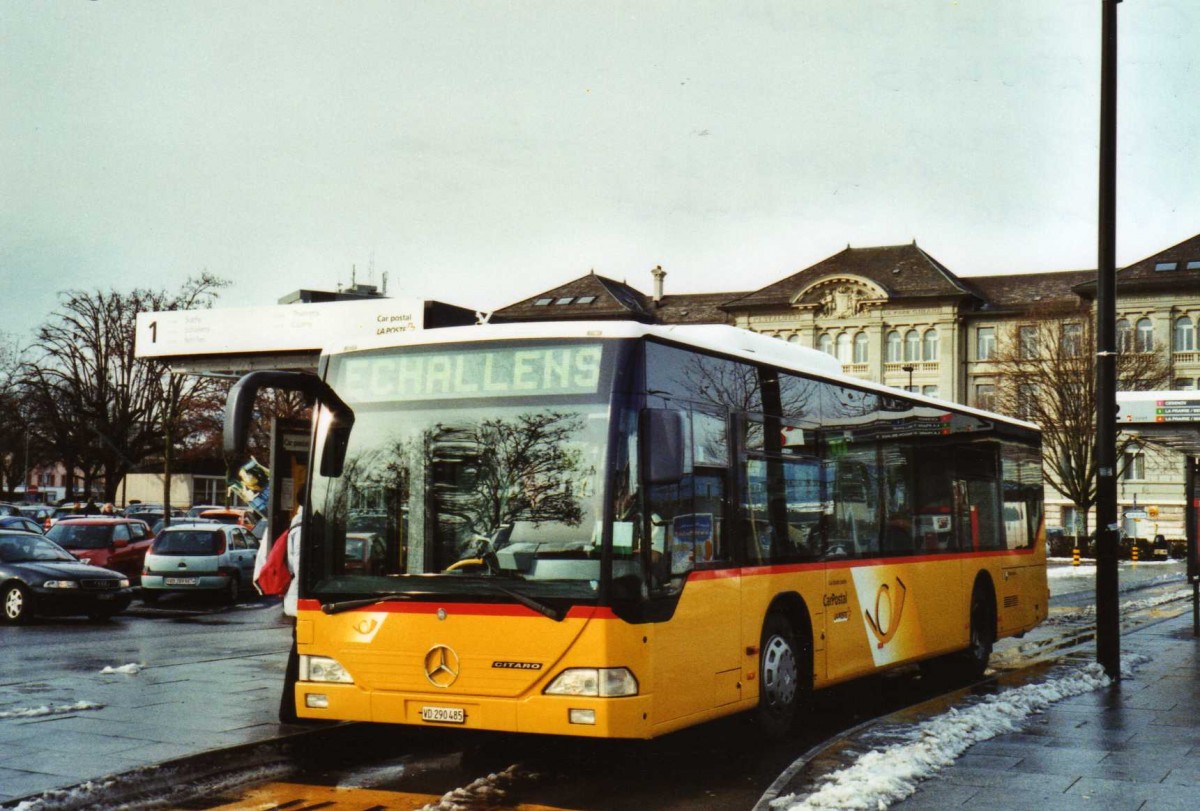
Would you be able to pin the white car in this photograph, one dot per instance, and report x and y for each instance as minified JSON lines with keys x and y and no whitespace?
{"x":206,"y":558}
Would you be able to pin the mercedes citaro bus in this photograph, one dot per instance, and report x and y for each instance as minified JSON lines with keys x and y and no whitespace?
{"x":619,"y":530}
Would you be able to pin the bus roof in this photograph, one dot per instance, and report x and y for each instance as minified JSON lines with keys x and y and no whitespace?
{"x":733,"y":342}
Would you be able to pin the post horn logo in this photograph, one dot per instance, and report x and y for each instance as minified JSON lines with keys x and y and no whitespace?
{"x":441,"y":666}
{"x":888,"y":611}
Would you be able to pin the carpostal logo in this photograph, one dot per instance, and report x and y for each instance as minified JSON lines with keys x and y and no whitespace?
{"x":891,"y":621}
{"x":889,"y":611}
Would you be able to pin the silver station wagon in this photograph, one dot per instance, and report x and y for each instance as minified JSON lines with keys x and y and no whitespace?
{"x":205,"y":558}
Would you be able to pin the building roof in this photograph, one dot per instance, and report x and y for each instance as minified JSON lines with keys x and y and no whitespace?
{"x":1025,"y":289}
{"x":902,"y":271}
{"x":1170,"y":266}
{"x":593,"y":297}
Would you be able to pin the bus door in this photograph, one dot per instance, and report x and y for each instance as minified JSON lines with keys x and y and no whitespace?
{"x":696,"y":650}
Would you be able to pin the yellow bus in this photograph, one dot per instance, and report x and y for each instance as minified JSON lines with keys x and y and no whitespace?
{"x":620,"y":530}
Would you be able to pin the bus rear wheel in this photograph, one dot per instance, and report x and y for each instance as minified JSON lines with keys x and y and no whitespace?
{"x":785,"y":677}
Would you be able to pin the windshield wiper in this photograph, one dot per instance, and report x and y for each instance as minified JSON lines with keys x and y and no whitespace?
{"x":553,"y":613}
{"x":348,"y":605}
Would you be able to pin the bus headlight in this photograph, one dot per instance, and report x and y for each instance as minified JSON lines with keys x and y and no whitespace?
{"x":324,"y":669}
{"x":606,"y":682}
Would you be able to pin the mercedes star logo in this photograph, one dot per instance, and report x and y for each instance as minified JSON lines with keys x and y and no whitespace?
{"x":441,"y":666}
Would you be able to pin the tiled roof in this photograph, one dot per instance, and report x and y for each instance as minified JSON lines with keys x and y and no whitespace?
{"x":903,"y":271}
{"x":588,"y":297}
{"x":1024,"y":289}
{"x":1174,"y":263}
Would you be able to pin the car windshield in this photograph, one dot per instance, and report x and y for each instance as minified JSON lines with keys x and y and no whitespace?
{"x":188,"y":542}
{"x":70,"y":535}
{"x":465,"y":487}
{"x":355,"y":547}
{"x":29,"y":549}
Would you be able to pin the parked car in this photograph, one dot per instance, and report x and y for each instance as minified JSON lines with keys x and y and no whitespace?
{"x":37,"y":576}
{"x":120,"y":544}
{"x":242,"y":516}
{"x":195,"y":510}
{"x":160,"y":524}
{"x":20,"y":523}
{"x":9,"y":509}
{"x":206,"y":558}
{"x":37,"y":512}
{"x":364,"y":553}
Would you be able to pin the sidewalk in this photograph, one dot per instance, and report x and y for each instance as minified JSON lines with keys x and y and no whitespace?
{"x":1131,"y":746}
{"x":63,"y":731}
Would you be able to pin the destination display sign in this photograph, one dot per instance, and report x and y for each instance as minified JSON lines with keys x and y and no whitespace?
{"x":1167,"y":410}
{"x":494,"y":371}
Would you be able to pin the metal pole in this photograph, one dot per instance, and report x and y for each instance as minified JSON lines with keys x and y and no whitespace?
{"x":1189,"y":533}
{"x":1108,"y":627}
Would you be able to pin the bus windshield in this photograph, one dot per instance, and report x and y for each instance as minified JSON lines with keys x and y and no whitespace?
{"x":468,"y":465}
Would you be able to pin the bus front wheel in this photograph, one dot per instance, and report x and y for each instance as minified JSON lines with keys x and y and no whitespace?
{"x":785,"y":676}
{"x":983,"y":633}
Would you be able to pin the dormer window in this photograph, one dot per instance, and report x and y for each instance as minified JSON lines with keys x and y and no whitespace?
{"x":585,"y":299}
{"x":564,"y":300}
{"x":1194,"y":265}
{"x":1166,"y":266}
{"x":542,"y":302}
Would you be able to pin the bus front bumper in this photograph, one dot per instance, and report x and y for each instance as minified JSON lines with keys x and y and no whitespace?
{"x":585,"y":716}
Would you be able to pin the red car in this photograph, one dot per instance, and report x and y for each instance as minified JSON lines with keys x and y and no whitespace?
{"x":119,"y":544}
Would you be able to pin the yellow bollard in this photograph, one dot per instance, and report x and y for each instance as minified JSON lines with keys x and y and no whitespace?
{"x":1133,"y":552}
{"x":1075,"y":556}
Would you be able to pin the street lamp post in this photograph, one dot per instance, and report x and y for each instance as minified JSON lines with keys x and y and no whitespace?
{"x":908,"y":367}
{"x":1108,"y":627}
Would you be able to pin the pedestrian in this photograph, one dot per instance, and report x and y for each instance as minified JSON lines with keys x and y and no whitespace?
{"x":287,"y":702}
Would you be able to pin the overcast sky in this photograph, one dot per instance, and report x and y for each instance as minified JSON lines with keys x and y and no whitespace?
{"x":479,"y":153}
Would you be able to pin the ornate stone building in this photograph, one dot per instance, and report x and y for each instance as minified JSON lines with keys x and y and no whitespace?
{"x":898,"y":316}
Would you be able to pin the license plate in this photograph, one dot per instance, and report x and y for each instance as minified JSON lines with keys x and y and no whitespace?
{"x":1161,"y":553}
{"x":104,"y":597}
{"x":444,"y":715}
{"x":183,"y":581}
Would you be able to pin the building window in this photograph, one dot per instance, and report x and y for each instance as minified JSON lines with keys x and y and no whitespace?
{"x":1072,"y":339}
{"x":793,"y":338}
{"x":585,"y":299}
{"x":1144,"y":338}
{"x":1124,"y":336}
{"x":825,"y":343}
{"x":843,"y":347}
{"x":1027,"y":341}
{"x":929,"y":345}
{"x":985,"y":343}
{"x":862,"y":351}
{"x":912,"y":345}
{"x":929,"y":391}
{"x":1195,"y":265}
{"x":542,"y":302}
{"x":1166,"y":265}
{"x":1135,"y":466}
{"x":1026,"y":392}
{"x":893,"y":347}
{"x":985,"y":396}
{"x":1185,"y":384}
{"x":1185,"y":335}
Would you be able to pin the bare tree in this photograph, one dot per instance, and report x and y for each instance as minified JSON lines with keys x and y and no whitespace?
{"x":100,"y":408}
{"x":1046,"y":373}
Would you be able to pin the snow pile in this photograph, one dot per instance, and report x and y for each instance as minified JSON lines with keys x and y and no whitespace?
{"x":131,"y":669}
{"x":879,"y":778}
{"x":61,"y":709}
{"x":484,"y":792}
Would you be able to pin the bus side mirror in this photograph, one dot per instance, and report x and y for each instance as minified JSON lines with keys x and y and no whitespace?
{"x":239,"y":409}
{"x":664,"y":434}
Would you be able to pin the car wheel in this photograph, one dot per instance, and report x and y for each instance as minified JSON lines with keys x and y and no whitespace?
{"x":233,"y":590}
{"x":785,"y":679}
{"x":974,"y":659}
{"x":17,"y":603}
{"x":149,"y":597}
